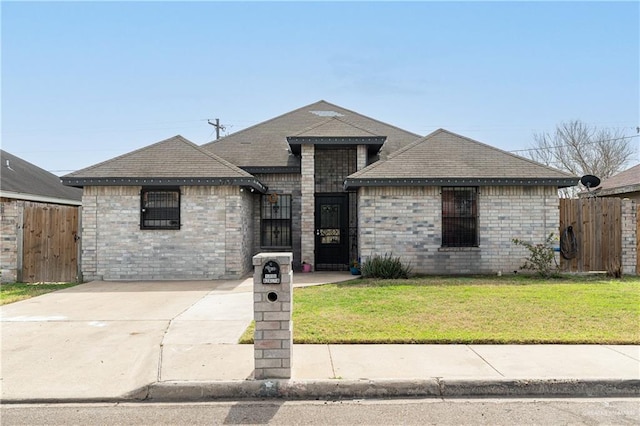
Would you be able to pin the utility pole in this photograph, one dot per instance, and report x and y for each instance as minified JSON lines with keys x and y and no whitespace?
{"x":218,"y":127}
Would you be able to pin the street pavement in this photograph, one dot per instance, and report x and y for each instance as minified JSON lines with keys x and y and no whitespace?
{"x":177,"y":341}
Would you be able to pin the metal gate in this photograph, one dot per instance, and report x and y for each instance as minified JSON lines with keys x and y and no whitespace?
{"x":332,"y":232}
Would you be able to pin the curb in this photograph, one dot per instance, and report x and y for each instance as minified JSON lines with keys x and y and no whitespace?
{"x":358,"y":389}
{"x":194,"y":391}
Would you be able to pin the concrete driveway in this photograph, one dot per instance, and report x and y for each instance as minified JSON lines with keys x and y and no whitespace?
{"x":106,"y":338}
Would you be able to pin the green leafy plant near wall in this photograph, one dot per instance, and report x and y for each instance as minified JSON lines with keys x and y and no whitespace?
{"x":541,"y":257}
{"x":385,"y":267}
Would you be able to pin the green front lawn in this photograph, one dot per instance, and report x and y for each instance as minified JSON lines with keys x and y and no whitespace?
{"x":12,"y":292}
{"x":469,"y":310}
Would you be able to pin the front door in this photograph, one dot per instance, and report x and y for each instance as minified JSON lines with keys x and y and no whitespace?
{"x":332,"y":232}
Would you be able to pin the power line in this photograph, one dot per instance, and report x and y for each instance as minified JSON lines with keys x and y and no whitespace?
{"x":563,"y":146}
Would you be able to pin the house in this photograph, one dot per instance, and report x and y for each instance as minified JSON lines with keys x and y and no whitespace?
{"x":324,"y":182}
{"x":39,"y":217}
{"x":625,"y":184}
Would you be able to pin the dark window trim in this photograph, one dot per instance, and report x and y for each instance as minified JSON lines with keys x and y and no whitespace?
{"x":173,"y":215}
{"x":460,"y":216}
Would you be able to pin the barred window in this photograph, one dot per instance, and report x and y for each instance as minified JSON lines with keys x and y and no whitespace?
{"x":160,"y":208}
{"x":275,"y":218}
{"x":460,"y":216}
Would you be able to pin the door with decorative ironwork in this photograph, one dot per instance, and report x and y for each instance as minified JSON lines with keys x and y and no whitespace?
{"x":332,"y":232}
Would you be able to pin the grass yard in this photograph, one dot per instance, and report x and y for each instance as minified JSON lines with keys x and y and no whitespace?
{"x":12,"y":292}
{"x":516,"y":309}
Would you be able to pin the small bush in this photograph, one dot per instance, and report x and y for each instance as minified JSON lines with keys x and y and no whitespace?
{"x":541,"y":258}
{"x":385,"y":267}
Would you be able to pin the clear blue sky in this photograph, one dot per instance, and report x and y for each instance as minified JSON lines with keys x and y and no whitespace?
{"x":83,"y":82}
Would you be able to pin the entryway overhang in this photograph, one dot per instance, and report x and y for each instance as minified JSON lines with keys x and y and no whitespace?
{"x":373,"y":143}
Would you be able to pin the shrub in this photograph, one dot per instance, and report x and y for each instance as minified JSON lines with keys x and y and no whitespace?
{"x":385,"y":267}
{"x":541,"y":258}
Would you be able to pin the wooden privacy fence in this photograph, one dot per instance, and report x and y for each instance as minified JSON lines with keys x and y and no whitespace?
{"x":596,"y":234}
{"x":49,"y":243}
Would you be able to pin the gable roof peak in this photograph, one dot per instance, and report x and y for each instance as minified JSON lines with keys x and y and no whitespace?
{"x":265,"y":145}
{"x":335,"y":126}
{"x":175,"y":157}
{"x":444,"y":157}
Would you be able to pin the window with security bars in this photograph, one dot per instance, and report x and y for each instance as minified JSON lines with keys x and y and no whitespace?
{"x":275,"y":220}
{"x":460,"y":216}
{"x":160,"y":208}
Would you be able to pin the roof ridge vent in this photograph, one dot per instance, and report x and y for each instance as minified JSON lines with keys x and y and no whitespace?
{"x":326,"y":113}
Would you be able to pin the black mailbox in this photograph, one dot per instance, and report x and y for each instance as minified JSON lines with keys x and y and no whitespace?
{"x":271,"y":273}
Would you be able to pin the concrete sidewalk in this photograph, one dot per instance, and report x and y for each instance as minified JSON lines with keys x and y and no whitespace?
{"x":176,"y":341}
{"x":361,"y":371}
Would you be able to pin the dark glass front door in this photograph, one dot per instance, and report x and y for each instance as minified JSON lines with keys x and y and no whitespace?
{"x":332,"y":232}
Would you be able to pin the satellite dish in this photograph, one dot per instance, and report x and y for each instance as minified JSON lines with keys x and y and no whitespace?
{"x":590,"y":181}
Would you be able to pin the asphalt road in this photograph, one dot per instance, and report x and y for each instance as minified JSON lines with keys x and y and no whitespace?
{"x":620,"y":411}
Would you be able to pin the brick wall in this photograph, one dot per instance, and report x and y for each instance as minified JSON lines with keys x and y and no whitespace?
{"x":9,"y":224}
{"x":361,"y":157}
{"x":214,"y":241}
{"x":285,"y":183}
{"x":239,"y":234}
{"x":406,"y":221}
{"x":629,"y":237}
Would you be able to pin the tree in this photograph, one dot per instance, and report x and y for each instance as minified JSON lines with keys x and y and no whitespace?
{"x":581,"y":149}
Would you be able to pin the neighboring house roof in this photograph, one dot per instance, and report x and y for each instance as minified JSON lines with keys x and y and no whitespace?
{"x":174,"y":161}
{"x":264,"y":147}
{"x":25,"y":181}
{"x":623,"y":183}
{"x":445,"y":158}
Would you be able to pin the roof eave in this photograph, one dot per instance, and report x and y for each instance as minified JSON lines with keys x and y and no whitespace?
{"x":618,"y":190}
{"x":249,"y":182}
{"x":352,"y":183}
{"x":271,"y":169}
{"x":373,"y":143}
{"x":39,"y":198}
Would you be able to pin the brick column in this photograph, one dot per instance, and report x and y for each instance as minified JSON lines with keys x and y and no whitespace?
{"x":308,"y":207}
{"x":629,"y":236}
{"x":11,"y":225}
{"x":361,"y":157}
{"x":272,"y":308}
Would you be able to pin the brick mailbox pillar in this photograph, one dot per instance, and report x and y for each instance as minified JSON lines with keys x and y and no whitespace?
{"x":272,"y":307}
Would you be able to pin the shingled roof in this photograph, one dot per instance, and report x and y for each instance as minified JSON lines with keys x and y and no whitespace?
{"x":25,"y":181}
{"x":264,"y":147}
{"x":624,"y":182}
{"x":445,"y":158}
{"x":325,"y":134}
{"x":335,"y":126}
{"x":174,"y":161}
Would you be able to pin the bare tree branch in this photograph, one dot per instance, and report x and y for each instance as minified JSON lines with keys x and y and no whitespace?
{"x":580,"y":149}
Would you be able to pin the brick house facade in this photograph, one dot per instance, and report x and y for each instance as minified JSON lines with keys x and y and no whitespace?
{"x":407,"y":221}
{"x":323,"y":182}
